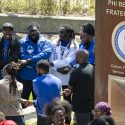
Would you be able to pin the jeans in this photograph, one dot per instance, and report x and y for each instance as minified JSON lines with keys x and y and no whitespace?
{"x":18,"y":119}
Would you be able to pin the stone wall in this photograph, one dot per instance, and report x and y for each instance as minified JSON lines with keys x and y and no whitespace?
{"x":48,"y":24}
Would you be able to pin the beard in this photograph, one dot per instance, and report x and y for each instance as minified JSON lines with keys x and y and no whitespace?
{"x":34,"y":38}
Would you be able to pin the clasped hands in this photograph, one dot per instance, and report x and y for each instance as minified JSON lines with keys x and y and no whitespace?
{"x":21,"y":63}
{"x":63,"y":70}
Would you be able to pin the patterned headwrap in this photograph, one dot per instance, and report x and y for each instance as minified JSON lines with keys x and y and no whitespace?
{"x":104,"y":107}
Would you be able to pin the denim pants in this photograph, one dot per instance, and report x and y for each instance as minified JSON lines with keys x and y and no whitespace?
{"x":18,"y":119}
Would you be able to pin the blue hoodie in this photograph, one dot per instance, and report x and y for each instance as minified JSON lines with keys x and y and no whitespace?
{"x":29,"y":50}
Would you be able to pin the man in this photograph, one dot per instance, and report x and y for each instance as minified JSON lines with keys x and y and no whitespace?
{"x":63,"y":54}
{"x":47,"y":88}
{"x":9,"y":46}
{"x":87,"y":36}
{"x":81,"y":85}
{"x":33,"y":48}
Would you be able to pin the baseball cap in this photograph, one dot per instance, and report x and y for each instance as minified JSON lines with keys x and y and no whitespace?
{"x":7,"y":25}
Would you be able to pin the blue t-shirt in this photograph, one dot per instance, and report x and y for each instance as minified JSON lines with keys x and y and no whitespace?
{"x":46,"y":87}
{"x":6,"y":44}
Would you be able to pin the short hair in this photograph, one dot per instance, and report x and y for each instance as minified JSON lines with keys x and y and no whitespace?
{"x":33,"y":24}
{"x":89,"y":29}
{"x":43,"y":64}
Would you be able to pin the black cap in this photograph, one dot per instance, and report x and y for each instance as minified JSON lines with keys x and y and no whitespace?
{"x":7,"y":25}
{"x":34,"y":26}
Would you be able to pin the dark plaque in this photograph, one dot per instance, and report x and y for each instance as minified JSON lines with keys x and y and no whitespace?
{"x":110,"y":56}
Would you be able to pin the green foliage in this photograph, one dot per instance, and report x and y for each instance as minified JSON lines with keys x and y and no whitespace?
{"x":47,"y":7}
{"x":77,"y":8}
{"x":66,"y":7}
{"x":91,"y":9}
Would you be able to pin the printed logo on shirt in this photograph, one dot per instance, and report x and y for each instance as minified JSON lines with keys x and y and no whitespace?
{"x":118,"y":41}
{"x":62,"y":50}
{"x":30,"y":49}
{"x":5,"y":51}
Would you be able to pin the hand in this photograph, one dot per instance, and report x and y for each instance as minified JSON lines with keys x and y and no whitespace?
{"x":26,"y":102}
{"x":63,"y":70}
{"x":21,"y":63}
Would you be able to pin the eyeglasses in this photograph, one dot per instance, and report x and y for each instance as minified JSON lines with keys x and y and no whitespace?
{"x":95,"y":111}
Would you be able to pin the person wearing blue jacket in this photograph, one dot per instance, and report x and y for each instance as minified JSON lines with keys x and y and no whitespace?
{"x":47,"y":88}
{"x":87,"y":36}
{"x":34,"y":47}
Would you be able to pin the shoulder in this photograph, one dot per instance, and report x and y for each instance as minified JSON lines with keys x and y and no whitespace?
{"x":56,"y":79}
{"x":42,"y":38}
{"x":55,"y":41}
{"x":37,"y":79}
{"x":19,"y":85}
{"x":24,"y":39}
{"x":90,"y":67}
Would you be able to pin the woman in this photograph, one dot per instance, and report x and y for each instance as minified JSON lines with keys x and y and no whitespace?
{"x":101,"y":108}
{"x":10,"y":96}
{"x":61,"y":103}
{"x":58,"y":115}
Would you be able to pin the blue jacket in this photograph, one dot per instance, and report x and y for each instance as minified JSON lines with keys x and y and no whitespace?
{"x":91,"y":58}
{"x":46,"y":87}
{"x":35,"y":52}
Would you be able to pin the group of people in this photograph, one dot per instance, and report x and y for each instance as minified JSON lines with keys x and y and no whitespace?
{"x":48,"y":70}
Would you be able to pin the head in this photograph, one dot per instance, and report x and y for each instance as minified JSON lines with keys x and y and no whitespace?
{"x":64,"y":103}
{"x":7,"y":29}
{"x":87,"y":32}
{"x":42,"y":67}
{"x":11,"y":69}
{"x":66,"y":33}
{"x":82,"y":56}
{"x":8,"y":122}
{"x":104,"y":120}
{"x":33,"y":31}
{"x":101,"y":108}
{"x":2,"y":116}
{"x":58,"y":115}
